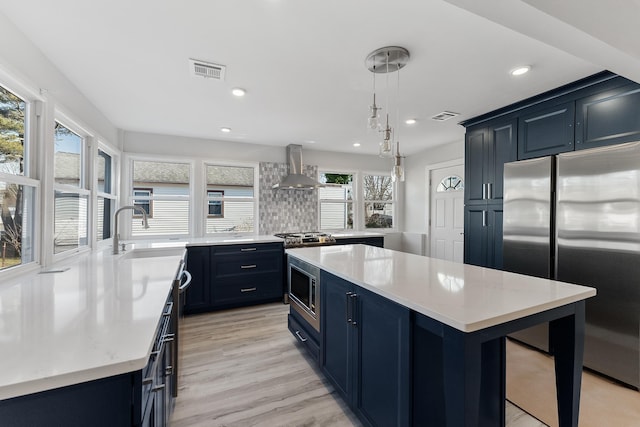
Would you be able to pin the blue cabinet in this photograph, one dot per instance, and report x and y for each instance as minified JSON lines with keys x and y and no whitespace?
{"x":365,"y":351}
{"x":609,"y":117}
{"x":225,"y":276}
{"x":546,"y":130}
{"x":483,"y":235}
{"x":198,"y":295}
{"x":487,"y":148}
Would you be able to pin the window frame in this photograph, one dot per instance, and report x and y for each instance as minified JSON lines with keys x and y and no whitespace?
{"x":110,"y":194}
{"x":124,"y":220}
{"x":255,"y":199}
{"x":346,"y":202}
{"x":393,"y":201}
{"x":29,"y":176}
{"x":82,"y":190}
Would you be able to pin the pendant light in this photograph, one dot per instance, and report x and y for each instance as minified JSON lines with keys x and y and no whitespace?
{"x":388,"y":60}
{"x":397,"y":172}
{"x":373,"y":122}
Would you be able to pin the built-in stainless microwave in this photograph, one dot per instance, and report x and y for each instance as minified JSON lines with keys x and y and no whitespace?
{"x":304,"y":290}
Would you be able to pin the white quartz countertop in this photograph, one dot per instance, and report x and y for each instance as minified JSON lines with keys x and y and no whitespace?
{"x":95,"y":318}
{"x":356,"y":234}
{"x":202,"y":241}
{"x":463,"y":296}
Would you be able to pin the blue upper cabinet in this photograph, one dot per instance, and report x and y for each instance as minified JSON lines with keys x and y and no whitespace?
{"x":487,"y":149}
{"x":610,"y":117}
{"x":546,"y":131}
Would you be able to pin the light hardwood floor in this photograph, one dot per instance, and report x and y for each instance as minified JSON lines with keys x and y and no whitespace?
{"x":242,"y":367}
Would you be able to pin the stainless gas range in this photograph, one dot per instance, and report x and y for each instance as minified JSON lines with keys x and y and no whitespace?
{"x":309,"y":238}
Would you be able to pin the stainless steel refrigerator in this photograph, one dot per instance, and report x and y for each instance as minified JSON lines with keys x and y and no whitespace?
{"x":575,"y":217}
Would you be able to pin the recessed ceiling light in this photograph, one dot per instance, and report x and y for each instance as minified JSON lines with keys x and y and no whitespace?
{"x":356,"y":144}
{"x":411,"y":121}
{"x":238,"y":91}
{"x":520,"y":70}
{"x":225,"y":130}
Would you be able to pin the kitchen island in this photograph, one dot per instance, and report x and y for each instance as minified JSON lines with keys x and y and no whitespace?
{"x":90,"y":340}
{"x":459,"y":315}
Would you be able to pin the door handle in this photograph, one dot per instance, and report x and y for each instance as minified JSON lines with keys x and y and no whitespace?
{"x":348,"y":306}
{"x":490,"y":191}
{"x":354,"y":305}
{"x":484,"y":191}
{"x":484,"y":218}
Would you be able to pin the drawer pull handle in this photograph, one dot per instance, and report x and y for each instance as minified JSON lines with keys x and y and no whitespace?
{"x":300,"y":337}
{"x":245,"y":267}
{"x":247,"y":249}
{"x":248,"y":289}
{"x":158,"y":388}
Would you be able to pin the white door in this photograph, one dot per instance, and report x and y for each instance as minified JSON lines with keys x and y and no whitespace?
{"x":447,"y":213}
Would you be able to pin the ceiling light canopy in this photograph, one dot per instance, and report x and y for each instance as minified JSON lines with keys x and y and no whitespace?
{"x":520,"y":70}
{"x":225,"y":130}
{"x":236,"y":91}
{"x":411,"y":121}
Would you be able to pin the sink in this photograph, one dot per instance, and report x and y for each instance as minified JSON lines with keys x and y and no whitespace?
{"x":152,"y":253}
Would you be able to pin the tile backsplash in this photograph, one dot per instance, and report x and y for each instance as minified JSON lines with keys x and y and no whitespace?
{"x":286,"y":210}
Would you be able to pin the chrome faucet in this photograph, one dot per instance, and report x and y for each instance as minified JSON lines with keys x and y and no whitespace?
{"x":116,"y":234}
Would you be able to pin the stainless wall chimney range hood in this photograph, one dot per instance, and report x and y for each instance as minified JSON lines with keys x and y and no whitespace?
{"x":296,"y":180}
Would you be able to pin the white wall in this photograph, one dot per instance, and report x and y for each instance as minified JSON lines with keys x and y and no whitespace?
{"x":415,"y":189}
{"x":148,"y":143}
{"x":22,"y":61}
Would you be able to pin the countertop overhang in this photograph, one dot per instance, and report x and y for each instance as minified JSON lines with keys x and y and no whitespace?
{"x":96,"y":317}
{"x":465,"y":297}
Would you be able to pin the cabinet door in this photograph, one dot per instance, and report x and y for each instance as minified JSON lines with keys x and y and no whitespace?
{"x":502,"y":148}
{"x":197,"y":296}
{"x":337,"y":343}
{"x":476,"y":159}
{"x":612,"y":117}
{"x":475,"y":235}
{"x":494,"y":236}
{"x":383,"y":360}
{"x":546,"y":131}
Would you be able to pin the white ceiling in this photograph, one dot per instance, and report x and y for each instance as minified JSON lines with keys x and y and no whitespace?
{"x":302,"y":62}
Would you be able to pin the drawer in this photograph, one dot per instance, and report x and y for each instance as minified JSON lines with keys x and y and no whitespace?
{"x":258,"y":287}
{"x":247,"y":248}
{"x":234,"y":264}
{"x":304,"y":337}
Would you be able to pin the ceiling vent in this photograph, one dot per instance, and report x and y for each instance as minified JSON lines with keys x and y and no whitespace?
{"x":207,"y":70}
{"x":445,"y":115}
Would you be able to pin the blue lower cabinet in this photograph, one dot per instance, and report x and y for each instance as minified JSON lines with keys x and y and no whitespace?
{"x":365,"y":352}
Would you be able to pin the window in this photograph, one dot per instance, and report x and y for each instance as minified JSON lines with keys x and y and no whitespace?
{"x":162,"y":189}
{"x":216,"y":207}
{"x":71,"y":198}
{"x":231,"y":204}
{"x":450,"y":183}
{"x":17,"y":191}
{"x":145,"y":202}
{"x":336,"y":201}
{"x":106,"y":198}
{"x":378,"y":201}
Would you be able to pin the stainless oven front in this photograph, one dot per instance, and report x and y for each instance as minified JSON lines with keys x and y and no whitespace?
{"x":304,"y":290}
